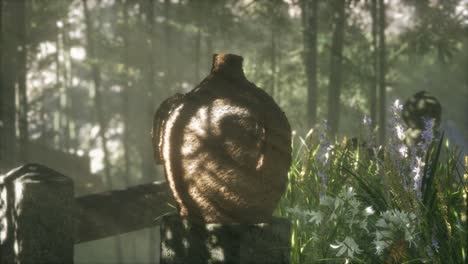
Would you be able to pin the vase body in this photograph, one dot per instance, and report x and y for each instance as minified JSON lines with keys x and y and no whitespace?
{"x":225,"y":147}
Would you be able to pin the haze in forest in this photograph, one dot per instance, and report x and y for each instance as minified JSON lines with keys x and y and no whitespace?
{"x":81,"y":79}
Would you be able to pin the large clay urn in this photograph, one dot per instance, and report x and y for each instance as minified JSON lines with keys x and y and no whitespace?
{"x":225,"y":147}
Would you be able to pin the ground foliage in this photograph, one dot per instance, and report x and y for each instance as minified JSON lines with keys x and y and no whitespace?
{"x":354,"y":201}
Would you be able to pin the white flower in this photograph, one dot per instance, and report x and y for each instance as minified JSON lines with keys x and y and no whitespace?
{"x":349,"y":194}
{"x":403,"y":150}
{"x":380,"y":246}
{"x":369,"y":211}
{"x":397,"y":106}
{"x":400,"y":132}
{"x":366,"y":120}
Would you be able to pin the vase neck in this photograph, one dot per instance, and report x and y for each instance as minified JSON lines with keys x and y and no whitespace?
{"x":229,"y":65}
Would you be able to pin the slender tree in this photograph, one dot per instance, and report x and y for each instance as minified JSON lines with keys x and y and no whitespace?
{"x":336,"y":57}
{"x":21,"y":80}
{"x":382,"y":73}
{"x":8,"y":81}
{"x":167,"y":45}
{"x":96,"y":73}
{"x":466,"y":92}
{"x":148,"y":166}
{"x":148,"y":90}
{"x":309,"y":24}
{"x":273,"y":59}
{"x":375,"y":65}
{"x":58,"y":82}
{"x":125,"y":95}
{"x":64,"y":100}
{"x":126,"y":91}
{"x":198,"y":37}
{"x":1,"y":87}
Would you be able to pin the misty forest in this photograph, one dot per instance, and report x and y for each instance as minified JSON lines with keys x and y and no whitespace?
{"x":375,"y":92}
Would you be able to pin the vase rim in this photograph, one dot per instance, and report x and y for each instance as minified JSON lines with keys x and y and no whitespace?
{"x":228,"y":64}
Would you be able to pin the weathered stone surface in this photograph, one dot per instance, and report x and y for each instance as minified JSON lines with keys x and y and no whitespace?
{"x":225,"y":146}
{"x":185,"y":242}
{"x":111,"y":213}
{"x":36,"y":216}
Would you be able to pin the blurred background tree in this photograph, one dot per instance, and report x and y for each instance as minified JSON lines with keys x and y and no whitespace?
{"x":80,"y":79}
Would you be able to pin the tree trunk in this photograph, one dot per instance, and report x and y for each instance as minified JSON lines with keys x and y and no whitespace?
{"x":466,"y":92}
{"x":8,"y":82}
{"x":197,"y":54}
{"x":375,"y":66}
{"x":126,"y":107}
{"x":198,"y":9}
{"x":148,"y":166}
{"x":336,"y":55}
{"x":1,"y":87}
{"x":309,"y":20}
{"x":278,"y":93}
{"x":126,"y":94}
{"x":273,"y":54}
{"x":62,"y":83}
{"x":64,"y":101}
{"x":92,"y":51}
{"x":57,"y":140}
{"x":22,"y":89}
{"x":2,"y":154}
{"x":209,"y":47}
{"x":382,"y":73}
{"x":167,"y":47}
{"x":150,"y":95}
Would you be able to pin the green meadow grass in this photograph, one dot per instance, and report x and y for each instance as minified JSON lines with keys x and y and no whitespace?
{"x":352,"y":203}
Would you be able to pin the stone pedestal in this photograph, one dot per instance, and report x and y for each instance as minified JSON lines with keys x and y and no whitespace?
{"x":36,"y":216}
{"x":184,"y":242}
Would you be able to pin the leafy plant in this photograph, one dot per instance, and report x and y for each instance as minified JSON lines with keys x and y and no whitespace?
{"x":360,"y":202}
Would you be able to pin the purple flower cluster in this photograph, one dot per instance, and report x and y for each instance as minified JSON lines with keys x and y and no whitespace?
{"x":323,"y":155}
{"x":416,"y":169}
{"x":427,"y":135}
{"x":408,"y":162}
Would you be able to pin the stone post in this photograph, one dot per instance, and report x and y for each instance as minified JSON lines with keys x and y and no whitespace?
{"x":185,"y":242}
{"x":36,"y":216}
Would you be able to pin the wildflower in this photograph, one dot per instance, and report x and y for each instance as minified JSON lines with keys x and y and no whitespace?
{"x":349,"y":193}
{"x":400,"y":132}
{"x":324,"y":180}
{"x":397,"y":106}
{"x":427,"y":135}
{"x":435,"y":243}
{"x":416,"y":167}
{"x":369,"y":211}
{"x":366,"y":120}
{"x":403,"y":150}
{"x":324,"y":153}
{"x":380,"y":246}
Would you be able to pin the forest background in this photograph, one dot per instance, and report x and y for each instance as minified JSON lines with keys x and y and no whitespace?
{"x":81,"y":79}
